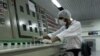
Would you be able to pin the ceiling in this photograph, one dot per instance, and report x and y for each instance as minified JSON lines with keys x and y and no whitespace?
{"x":80,"y":9}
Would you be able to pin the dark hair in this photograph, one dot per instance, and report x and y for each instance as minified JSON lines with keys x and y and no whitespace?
{"x":67,"y":25}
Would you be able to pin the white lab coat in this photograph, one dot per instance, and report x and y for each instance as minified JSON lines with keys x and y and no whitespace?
{"x":71,"y":36}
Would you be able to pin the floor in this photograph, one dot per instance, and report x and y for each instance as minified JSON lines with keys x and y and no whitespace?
{"x":96,"y":53}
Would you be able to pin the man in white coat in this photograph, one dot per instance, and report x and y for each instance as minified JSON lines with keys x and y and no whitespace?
{"x":70,"y":31}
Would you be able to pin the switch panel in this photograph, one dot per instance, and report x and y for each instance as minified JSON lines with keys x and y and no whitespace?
{"x":5,"y":25}
{"x":27,"y":21}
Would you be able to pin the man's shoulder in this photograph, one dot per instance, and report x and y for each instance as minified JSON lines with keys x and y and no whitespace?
{"x":76,"y":22}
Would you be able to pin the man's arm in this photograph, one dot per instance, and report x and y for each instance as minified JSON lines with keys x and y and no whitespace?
{"x":56,"y":32}
{"x":72,"y":31}
{"x":52,"y":35}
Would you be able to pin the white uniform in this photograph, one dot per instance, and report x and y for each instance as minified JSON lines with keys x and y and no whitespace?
{"x":71,"y":36}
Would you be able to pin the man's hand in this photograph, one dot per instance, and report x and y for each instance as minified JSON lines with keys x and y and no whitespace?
{"x":46,"y":37}
{"x":53,"y":39}
{"x":46,"y":41}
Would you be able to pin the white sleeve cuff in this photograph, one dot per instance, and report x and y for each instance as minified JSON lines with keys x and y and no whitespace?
{"x":50,"y":35}
{"x":60,"y":37}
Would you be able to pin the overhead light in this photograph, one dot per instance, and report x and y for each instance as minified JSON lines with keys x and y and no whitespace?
{"x":56,"y":3}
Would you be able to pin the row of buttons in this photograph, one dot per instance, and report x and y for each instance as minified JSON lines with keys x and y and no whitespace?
{"x":10,"y":45}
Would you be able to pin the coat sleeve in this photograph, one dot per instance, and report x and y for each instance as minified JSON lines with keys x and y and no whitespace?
{"x":73,"y":31}
{"x":56,"y":32}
